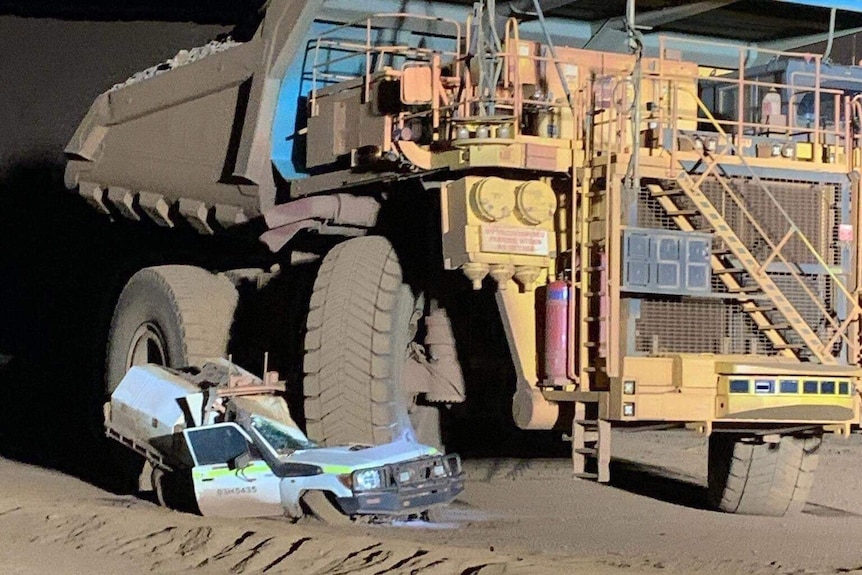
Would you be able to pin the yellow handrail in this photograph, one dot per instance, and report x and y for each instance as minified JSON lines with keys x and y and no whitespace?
{"x":855,"y":309}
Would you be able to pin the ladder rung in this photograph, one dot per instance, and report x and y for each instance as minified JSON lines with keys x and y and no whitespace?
{"x":587,"y":475}
{"x":596,"y":293}
{"x":586,"y":450}
{"x":674,"y":213}
{"x":744,"y":289}
{"x":594,"y":268}
{"x":775,"y":326}
{"x":671,"y":192}
{"x":593,"y":318}
{"x":761,"y":308}
{"x":729,"y":271}
{"x":787,"y":345}
{"x":587,"y":422}
{"x":721,"y":251}
{"x":595,"y":218}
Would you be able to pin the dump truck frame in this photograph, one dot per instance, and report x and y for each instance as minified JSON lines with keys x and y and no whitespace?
{"x":653,"y":259}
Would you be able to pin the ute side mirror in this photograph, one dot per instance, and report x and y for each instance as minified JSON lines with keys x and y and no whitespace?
{"x":240,"y":461}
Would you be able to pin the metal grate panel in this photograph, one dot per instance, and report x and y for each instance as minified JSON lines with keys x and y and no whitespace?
{"x":812,"y":207}
{"x":698,"y":326}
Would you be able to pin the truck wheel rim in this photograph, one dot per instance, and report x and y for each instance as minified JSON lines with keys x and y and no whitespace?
{"x":147,"y":346}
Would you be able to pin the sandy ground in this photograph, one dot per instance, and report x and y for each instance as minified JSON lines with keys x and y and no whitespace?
{"x":516,"y":516}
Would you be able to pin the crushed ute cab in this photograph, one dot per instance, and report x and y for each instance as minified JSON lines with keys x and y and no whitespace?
{"x":230,"y":436}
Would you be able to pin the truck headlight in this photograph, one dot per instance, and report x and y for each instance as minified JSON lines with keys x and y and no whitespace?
{"x":367,"y":479}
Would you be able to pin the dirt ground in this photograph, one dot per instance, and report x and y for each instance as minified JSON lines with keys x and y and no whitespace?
{"x":516,"y":516}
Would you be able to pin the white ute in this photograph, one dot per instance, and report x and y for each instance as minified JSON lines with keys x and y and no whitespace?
{"x":229,"y":435}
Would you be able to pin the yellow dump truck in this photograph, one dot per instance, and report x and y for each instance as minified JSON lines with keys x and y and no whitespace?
{"x":668,"y":243}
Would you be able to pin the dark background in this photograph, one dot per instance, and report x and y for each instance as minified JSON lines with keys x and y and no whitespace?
{"x":61,"y":264}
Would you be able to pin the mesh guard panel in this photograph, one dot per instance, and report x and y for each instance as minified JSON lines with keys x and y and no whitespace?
{"x":688,"y":325}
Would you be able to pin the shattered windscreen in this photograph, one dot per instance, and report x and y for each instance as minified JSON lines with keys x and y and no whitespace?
{"x":283,"y":439}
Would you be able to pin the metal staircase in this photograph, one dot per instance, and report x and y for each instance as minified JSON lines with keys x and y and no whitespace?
{"x":593,"y":289}
{"x":791,"y":335}
{"x":730,"y":273}
{"x":591,"y":440}
{"x":598,"y":289}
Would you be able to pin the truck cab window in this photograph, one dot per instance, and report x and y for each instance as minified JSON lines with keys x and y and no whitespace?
{"x":219,"y":444}
{"x":805,"y":110}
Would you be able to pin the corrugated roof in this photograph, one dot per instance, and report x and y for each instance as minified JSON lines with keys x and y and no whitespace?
{"x":756,"y":21}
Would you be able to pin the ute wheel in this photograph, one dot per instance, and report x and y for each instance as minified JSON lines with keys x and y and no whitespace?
{"x":319,"y":505}
{"x":756,"y":478}
{"x":361,"y":320}
{"x":434,"y":515}
{"x":169,"y":315}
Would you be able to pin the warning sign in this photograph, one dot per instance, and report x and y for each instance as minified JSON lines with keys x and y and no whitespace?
{"x":499,"y":239}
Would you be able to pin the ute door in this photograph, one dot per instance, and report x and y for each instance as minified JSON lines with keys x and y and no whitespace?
{"x":230,"y":478}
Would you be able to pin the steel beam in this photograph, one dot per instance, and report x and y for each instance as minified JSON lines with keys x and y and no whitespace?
{"x":527,"y":8}
{"x":668,"y":15}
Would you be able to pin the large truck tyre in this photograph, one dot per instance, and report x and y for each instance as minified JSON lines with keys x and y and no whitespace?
{"x":362,"y":318}
{"x":169,"y":315}
{"x":752,"y":477}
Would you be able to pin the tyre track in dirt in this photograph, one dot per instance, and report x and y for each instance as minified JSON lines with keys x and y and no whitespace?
{"x":517,"y":516}
{"x":46,"y":516}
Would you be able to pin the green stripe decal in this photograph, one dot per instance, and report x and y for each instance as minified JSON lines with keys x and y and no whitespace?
{"x":254,"y":468}
{"x":337,"y":469}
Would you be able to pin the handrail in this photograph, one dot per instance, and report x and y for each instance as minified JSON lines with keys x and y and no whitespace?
{"x":855,"y":308}
{"x":356,"y":49}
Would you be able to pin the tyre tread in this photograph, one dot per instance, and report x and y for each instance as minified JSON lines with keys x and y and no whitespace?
{"x":200,"y":304}
{"x":752,"y":478}
{"x":349,"y":338}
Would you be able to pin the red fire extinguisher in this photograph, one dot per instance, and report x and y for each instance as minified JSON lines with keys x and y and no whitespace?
{"x":557,"y":330}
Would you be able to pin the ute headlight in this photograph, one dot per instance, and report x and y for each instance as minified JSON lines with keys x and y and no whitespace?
{"x":367,"y":479}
